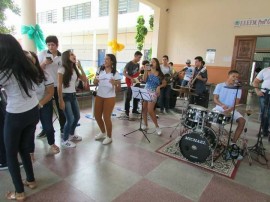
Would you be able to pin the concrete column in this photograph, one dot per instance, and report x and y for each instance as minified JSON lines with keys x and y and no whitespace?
{"x":94,"y":48}
{"x":28,"y":13}
{"x":113,"y":22}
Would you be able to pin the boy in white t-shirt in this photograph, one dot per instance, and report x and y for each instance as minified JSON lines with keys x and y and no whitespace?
{"x":51,"y":60}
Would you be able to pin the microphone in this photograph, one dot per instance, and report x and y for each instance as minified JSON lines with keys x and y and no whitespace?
{"x":237,"y":83}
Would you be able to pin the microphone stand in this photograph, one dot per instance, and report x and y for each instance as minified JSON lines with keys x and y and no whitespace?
{"x":225,"y":151}
{"x":258,"y":147}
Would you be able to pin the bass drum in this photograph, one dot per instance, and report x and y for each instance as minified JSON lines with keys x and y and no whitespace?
{"x":197,"y":146}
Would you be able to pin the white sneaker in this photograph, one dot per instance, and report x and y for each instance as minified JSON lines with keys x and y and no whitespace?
{"x":100,"y":136}
{"x":158,"y":130}
{"x":107,"y":140}
{"x":68,"y":144}
{"x":75,"y":138}
{"x":144,"y":127}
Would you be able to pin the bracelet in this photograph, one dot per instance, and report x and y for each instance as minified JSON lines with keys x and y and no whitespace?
{"x":40,"y":105}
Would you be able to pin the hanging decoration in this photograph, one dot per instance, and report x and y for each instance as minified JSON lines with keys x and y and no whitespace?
{"x":116,"y":46}
{"x":35,"y":33}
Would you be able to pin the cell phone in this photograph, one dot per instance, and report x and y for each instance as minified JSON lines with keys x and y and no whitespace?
{"x":148,"y":67}
{"x":49,"y":58}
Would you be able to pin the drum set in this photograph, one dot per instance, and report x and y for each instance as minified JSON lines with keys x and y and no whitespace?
{"x":203,"y":134}
{"x":199,"y":140}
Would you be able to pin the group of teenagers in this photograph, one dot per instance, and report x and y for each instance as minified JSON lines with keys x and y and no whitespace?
{"x":31,"y":82}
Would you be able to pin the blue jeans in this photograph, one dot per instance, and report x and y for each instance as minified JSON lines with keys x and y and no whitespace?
{"x":19,"y":134}
{"x":45,"y":116}
{"x":72,"y":114}
{"x":264,"y":116}
{"x":164,"y":98}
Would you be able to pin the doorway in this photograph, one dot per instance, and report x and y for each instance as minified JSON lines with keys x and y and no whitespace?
{"x":250,"y":53}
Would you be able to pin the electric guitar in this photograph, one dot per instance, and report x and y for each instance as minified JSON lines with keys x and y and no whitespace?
{"x":128,"y":81}
{"x":190,"y":85}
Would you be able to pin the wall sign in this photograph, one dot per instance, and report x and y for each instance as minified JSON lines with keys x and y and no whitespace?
{"x":210,"y":56}
{"x":252,"y":22}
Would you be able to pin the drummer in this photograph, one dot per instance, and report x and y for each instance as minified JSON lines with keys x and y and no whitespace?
{"x":224,"y":98}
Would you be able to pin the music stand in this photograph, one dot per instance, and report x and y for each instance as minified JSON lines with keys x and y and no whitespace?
{"x":258,"y":147}
{"x":143,"y":95}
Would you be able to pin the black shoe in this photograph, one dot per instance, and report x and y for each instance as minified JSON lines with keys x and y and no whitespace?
{"x":136,"y":112}
{"x":3,"y":166}
{"x":127,"y":114}
{"x":42,"y":134}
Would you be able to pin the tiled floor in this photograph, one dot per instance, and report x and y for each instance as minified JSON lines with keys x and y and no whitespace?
{"x":129,"y":169}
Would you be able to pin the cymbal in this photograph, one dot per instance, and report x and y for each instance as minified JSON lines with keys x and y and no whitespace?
{"x":184,"y":91}
{"x":246,"y":87}
{"x":185,"y":87}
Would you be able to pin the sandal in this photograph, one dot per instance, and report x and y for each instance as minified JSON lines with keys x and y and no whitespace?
{"x":31,"y":185}
{"x":54,"y":149}
{"x":15,"y":196}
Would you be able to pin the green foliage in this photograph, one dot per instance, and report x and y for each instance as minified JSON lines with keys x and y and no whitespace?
{"x":150,"y":54}
{"x":141,"y":32}
{"x":151,"y":22}
{"x":7,"y":4}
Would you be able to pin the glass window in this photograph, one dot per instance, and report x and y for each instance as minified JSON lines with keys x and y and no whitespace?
{"x":124,"y":6}
{"x":77,"y":12}
{"x":47,"y":17}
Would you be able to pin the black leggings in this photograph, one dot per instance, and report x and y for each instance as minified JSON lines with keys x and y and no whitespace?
{"x":3,"y":159}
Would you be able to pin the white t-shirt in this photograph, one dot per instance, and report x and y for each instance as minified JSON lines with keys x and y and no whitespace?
{"x":51,"y":69}
{"x":264,"y":75}
{"x":72,"y":83}
{"x":40,"y":89}
{"x":188,"y":73}
{"x":17,"y":100}
{"x":166,"y":69}
{"x":226,"y":95}
{"x":105,"y":88}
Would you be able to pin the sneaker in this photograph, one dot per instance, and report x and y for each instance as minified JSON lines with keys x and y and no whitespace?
{"x":3,"y":166}
{"x":75,"y":138}
{"x":127,"y":114}
{"x":144,"y":127}
{"x":136,"y":112}
{"x":107,"y":140}
{"x":68,"y":144}
{"x":42,"y":134}
{"x":158,"y":130}
{"x":100,"y":136}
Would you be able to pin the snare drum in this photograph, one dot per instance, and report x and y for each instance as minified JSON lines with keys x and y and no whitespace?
{"x":217,"y":117}
{"x":195,"y":115}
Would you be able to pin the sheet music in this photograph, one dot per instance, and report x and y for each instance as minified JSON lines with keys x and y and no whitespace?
{"x":141,"y":93}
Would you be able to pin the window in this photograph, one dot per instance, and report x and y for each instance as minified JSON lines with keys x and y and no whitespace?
{"x":77,"y":12}
{"x":47,"y":17}
{"x":124,"y":6}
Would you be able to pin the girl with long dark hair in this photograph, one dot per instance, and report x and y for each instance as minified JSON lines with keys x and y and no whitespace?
{"x":18,"y":77}
{"x":108,"y":81}
{"x":68,"y":74}
{"x":45,"y":92}
{"x":154,"y":79}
